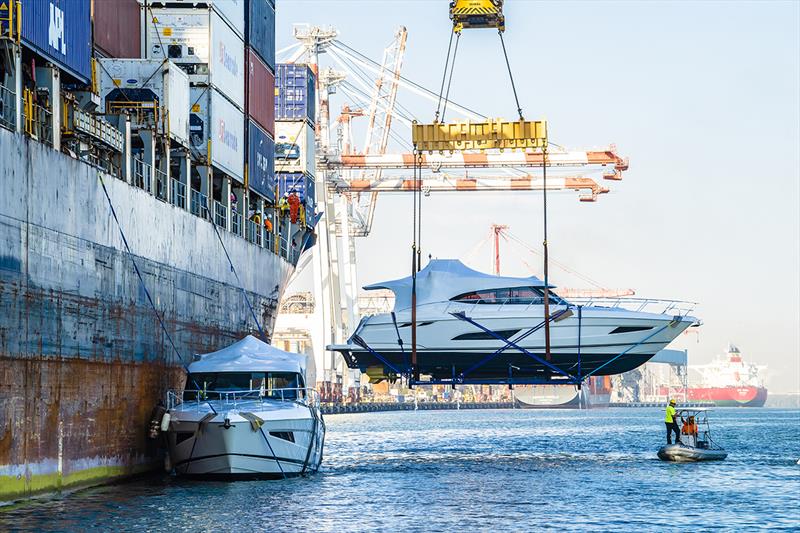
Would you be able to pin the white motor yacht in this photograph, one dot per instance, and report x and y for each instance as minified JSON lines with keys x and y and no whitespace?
{"x":471,"y":326}
{"x":246,"y":412}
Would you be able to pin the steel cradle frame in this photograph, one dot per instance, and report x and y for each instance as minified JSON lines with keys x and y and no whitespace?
{"x":566,"y":378}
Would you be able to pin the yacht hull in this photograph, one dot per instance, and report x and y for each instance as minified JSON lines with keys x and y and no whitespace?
{"x":281,"y":447}
{"x":602,"y":342}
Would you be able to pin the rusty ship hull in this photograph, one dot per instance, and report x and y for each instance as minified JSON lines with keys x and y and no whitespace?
{"x":83,"y":359}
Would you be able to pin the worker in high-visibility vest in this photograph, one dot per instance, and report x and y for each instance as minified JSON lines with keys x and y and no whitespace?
{"x":283,"y":205}
{"x":671,"y":423}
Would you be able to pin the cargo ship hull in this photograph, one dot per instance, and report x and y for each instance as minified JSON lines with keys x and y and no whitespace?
{"x":83,"y":358}
{"x":729,"y":396}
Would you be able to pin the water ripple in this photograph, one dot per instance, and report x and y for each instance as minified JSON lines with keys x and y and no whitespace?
{"x":476,"y":471}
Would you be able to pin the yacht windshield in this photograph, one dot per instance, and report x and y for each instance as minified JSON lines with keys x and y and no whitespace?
{"x":510,"y":295}
{"x":279,"y":385}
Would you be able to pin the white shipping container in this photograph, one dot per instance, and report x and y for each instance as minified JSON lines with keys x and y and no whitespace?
{"x":231,"y":10}
{"x":204,"y":44}
{"x":148,"y":80}
{"x":216,"y":123}
{"x":295,"y":147}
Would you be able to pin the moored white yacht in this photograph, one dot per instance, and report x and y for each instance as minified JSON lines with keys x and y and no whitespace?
{"x":246,"y":411}
{"x":465,"y":318}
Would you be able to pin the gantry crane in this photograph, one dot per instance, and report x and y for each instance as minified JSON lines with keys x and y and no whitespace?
{"x":349,"y":179}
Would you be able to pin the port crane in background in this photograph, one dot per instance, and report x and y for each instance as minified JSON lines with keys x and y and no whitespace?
{"x":351,"y":178}
{"x":502,"y":232}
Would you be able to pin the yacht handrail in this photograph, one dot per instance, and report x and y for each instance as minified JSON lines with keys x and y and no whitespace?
{"x":200,"y":397}
{"x":647,"y":305}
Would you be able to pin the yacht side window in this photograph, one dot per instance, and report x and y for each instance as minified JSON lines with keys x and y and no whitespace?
{"x":510,"y":295}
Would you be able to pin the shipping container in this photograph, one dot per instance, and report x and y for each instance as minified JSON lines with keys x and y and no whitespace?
{"x":295,"y":93}
{"x":117,"y":28}
{"x":260,"y":92}
{"x":311,"y":196}
{"x":297,"y":182}
{"x":261,"y":161}
{"x":216,"y":121}
{"x":260,"y":30}
{"x":295,"y":149}
{"x":203,"y":44}
{"x":61,"y":31}
{"x":148,"y":80}
{"x":232,"y":11}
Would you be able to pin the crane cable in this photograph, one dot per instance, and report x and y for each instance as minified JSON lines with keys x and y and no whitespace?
{"x":510,"y":75}
{"x":444,"y":76}
{"x":450,"y":77}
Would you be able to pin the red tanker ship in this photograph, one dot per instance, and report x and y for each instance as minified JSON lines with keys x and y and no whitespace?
{"x":729,"y":381}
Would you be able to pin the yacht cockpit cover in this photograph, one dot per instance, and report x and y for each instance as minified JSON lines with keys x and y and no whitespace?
{"x":250,"y":355}
{"x":443,"y":279}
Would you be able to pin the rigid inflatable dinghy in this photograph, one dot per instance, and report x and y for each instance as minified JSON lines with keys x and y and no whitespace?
{"x":696,"y":444}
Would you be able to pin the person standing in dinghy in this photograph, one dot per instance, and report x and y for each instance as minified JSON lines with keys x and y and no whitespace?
{"x":672,"y":424}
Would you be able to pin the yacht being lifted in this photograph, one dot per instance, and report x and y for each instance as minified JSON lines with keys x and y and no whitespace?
{"x":479,"y":328}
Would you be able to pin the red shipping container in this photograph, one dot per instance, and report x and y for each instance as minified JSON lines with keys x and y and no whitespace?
{"x":260,"y":92}
{"x":117,"y":28}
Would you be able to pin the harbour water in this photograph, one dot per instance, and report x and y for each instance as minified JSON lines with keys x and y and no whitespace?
{"x":475,"y":470}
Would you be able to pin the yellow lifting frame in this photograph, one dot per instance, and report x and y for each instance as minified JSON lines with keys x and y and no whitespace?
{"x":492,"y":134}
{"x":477,"y":14}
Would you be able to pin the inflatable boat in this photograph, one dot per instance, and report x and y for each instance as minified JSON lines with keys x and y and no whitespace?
{"x":695,"y":444}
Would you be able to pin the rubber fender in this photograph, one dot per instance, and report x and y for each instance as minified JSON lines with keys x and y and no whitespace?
{"x":165,"y":422}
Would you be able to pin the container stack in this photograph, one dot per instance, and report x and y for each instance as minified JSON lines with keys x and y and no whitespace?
{"x":208,"y":43}
{"x":260,"y":103}
{"x":295,"y":146}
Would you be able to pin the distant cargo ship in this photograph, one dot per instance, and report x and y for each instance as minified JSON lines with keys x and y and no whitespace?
{"x":595,"y":394}
{"x":729,"y":381}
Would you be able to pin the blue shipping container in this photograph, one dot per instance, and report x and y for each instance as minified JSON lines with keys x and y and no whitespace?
{"x":261,"y":162}
{"x":260,"y":30}
{"x":61,"y":31}
{"x":295,"y":93}
{"x":298,"y":182}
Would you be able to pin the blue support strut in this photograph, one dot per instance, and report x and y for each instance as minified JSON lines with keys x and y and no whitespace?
{"x":509,"y":343}
{"x":659,"y":330}
{"x":358,"y":340}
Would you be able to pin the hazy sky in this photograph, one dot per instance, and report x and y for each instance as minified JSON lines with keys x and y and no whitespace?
{"x":703,"y":98}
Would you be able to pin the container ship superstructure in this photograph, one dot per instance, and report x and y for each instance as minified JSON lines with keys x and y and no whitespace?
{"x":165,"y":111}
{"x":729,"y":381}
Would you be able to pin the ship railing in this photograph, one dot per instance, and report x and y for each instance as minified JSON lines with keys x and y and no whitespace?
{"x":269,"y":240}
{"x":253,"y":232}
{"x":198,"y":205}
{"x":198,"y":398}
{"x":236,"y":223}
{"x":142,"y":174}
{"x":37,"y":120}
{"x":8,"y":108}
{"x":178,"y":193}
{"x":161,"y":184}
{"x":639,"y":305}
{"x":220,"y":215}
{"x":284,"y":251}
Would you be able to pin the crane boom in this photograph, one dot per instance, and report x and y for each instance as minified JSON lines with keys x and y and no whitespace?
{"x":436,"y":161}
{"x":446,"y":183}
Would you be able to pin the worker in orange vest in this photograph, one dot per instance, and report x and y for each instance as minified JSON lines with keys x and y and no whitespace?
{"x":294,"y":207}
